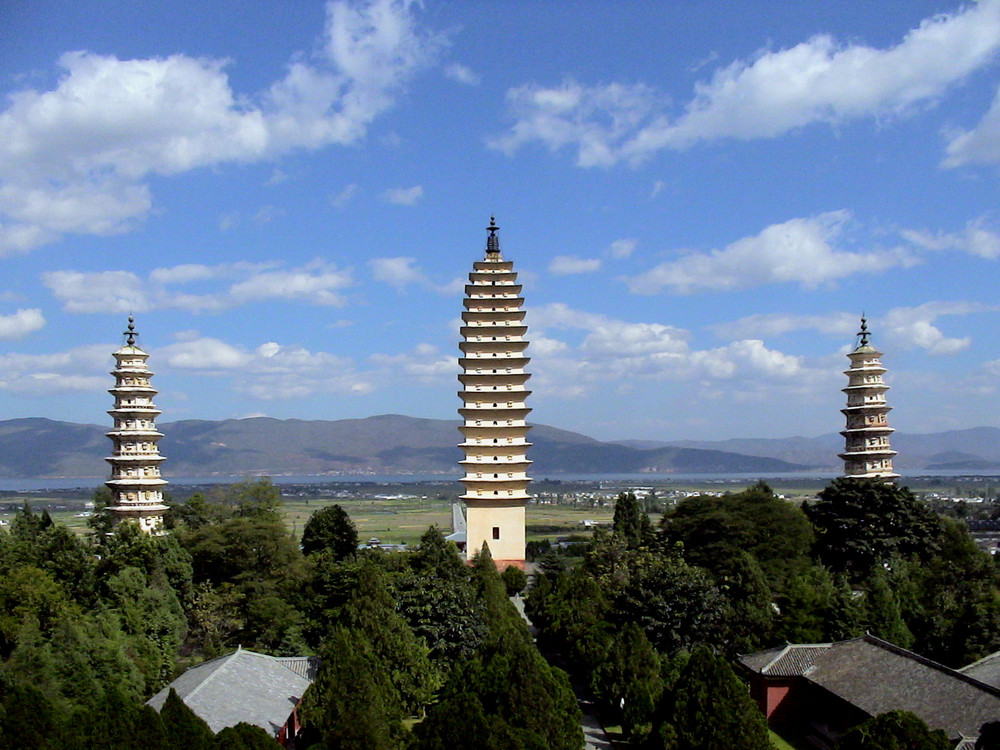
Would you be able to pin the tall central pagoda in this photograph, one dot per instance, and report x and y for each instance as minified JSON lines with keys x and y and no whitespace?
{"x":136,"y":485}
{"x":866,"y":449}
{"x":493,"y":397}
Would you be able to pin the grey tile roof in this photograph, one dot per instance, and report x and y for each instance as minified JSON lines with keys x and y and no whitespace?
{"x":243,"y":686}
{"x":985,"y":670}
{"x":793,"y":660}
{"x":877,"y":676}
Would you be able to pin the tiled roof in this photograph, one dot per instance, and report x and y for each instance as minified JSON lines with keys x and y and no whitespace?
{"x":243,"y":686}
{"x":876,"y":677}
{"x":793,"y":660}
{"x":985,"y":670}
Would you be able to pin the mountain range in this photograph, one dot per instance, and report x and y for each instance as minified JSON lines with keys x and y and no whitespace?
{"x":394,"y":444}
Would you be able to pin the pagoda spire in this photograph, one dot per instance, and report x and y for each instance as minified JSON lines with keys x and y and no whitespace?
{"x":866,"y":436}
{"x":135,"y":483}
{"x":493,"y":394}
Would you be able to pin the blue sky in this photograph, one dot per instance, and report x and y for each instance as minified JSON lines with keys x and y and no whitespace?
{"x":701,"y":199}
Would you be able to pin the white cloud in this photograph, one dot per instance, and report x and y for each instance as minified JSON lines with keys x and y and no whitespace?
{"x":620,"y":352}
{"x":796,"y":251}
{"x":596,"y":120}
{"x":981,"y":145}
{"x":317,"y":283}
{"x":462,"y":74}
{"x":397,"y":272}
{"x":403,"y":196}
{"x":345,"y":196}
{"x":81,"y":369}
{"x":564,"y":265}
{"x":816,"y":81}
{"x":75,"y":156}
{"x":20,"y":323}
{"x":271,"y":371}
{"x":623,"y":248}
{"x":402,"y":272}
{"x":203,"y":354}
{"x":776,"y":324}
{"x":101,"y":291}
{"x":913,"y":327}
{"x":424,"y":362}
{"x":974,"y":239}
{"x":267,"y":214}
{"x":237,"y":284}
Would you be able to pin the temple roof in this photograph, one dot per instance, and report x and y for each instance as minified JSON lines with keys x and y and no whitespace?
{"x":243,"y":686}
{"x":876,"y":676}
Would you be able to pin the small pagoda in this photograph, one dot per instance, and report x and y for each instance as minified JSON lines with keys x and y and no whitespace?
{"x":866,"y":450}
{"x":136,"y":485}
{"x":493,"y":409}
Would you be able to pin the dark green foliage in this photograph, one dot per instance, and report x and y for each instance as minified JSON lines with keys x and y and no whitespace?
{"x":398,"y":653}
{"x":709,"y":709}
{"x":35,"y":540}
{"x":185,"y":729}
{"x":330,"y":529}
{"x":249,"y":572}
{"x":861,"y":523}
{"x":630,"y":520}
{"x":989,"y":736}
{"x":716,"y":530}
{"x":676,"y":604}
{"x":437,"y":598}
{"x":803,"y":607}
{"x":953,"y":608}
{"x":628,"y":683}
{"x":885,"y":619}
{"x":240,"y":549}
{"x":245,"y":736}
{"x":28,"y":720}
{"x":749,"y":615}
{"x":153,"y":622}
{"x":456,"y":723}
{"x":524,"y":702}
{"x":514,"y":580}
{"x":895,"y":730}
{"x":352,"y":703}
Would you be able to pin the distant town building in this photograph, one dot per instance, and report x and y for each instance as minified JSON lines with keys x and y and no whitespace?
{"x":493,"y":396}
{"x":866,"y":450}
{"x":136,"y":485}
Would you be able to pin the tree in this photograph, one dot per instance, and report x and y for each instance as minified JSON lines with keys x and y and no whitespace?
{"x":399,"y":654}
{"x":514,"y":580}
{"x":630,"y":520}
{"x":710,"y":709}
{"x":184,"y":727}
{"x":330,"y":528}
{"x":894,"y":730}
{"x":352,"y":704}
{"x":628,"y":683}
{"x":715,"y":531}
{"x":676,"y":604}
{"x":245,"y":736}
{"x":861,"y":523}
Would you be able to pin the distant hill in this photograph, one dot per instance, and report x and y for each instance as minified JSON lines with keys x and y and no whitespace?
{"x":394,"y":444}
{"x":974,"y":449}
{"x":387,"y":444}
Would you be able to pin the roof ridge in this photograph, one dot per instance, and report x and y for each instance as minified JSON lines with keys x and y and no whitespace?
{"x":227,"y":660}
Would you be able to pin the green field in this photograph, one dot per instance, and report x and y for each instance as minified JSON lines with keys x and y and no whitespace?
{"x":401,"y":511}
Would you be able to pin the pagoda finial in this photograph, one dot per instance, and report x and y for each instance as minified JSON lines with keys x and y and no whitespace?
{"x":863,"y":333}
{"x":130,"y":334}
{"x":493,"y":242}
